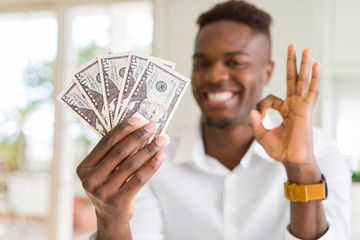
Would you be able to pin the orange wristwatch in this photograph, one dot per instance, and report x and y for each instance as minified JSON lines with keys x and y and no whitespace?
{"x":304,"y":193}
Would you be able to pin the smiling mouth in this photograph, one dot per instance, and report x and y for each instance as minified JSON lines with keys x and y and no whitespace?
{"x":219,"y":98}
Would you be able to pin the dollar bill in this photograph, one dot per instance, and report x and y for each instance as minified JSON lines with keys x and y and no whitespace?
{"x":134,"y":67}
{"x":167,"y":63}
{"x":87,"y":78}
{"x":156,"y":95}
{"x":72,"y":98}
{"x":112,"y":71}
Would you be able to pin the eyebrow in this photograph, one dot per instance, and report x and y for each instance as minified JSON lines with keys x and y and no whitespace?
{"x":227,"y":54}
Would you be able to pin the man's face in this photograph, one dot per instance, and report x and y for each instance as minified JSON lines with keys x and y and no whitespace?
{"x":231,"y":65}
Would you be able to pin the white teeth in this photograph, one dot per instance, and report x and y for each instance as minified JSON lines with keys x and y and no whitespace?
{"x":219,"y":96}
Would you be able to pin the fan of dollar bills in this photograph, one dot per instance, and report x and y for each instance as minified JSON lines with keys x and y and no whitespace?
{"x":113,"y":87}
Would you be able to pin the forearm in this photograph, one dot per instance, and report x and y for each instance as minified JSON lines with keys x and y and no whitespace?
{"x":307,"y":220}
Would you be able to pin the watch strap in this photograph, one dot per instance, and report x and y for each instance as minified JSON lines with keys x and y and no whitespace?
{"x":304,"y":193}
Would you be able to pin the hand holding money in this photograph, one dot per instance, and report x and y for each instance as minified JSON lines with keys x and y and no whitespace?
{"x":111,"y":175}
{"x":128,"y":99}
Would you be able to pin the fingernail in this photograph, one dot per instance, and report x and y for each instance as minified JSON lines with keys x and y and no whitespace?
{"x":160,"y":141}
{"x":150,"y":127}
{"x":133,"y":121}
{"x":160,"y":156}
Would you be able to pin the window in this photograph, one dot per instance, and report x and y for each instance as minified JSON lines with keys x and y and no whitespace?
{"x":39,"y":51}
{"x":344,"y":75}
{"x":27,"y":119}
{"x":348,"y":123}
{"x":26,"y":58}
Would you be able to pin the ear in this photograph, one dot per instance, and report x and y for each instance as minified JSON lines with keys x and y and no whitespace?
{"x":269,"y":67}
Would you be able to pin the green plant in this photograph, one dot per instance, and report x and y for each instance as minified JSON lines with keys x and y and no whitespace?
{"x":88,"y":52}
{"x":38,"y":82}
{"x":356,"y":176}
{"x":37,"y":78}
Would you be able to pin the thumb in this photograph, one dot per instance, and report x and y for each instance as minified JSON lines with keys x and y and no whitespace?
{"x":256,"y":125}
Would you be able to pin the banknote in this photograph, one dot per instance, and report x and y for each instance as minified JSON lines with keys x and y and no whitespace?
{"x":72,"y":98}
{"x":113,"y":87}
{"x":155,"y":95}
{"x":134,"y":67}
{"x":167,"y":63}
{"x":112,"y":71}
{"x":87,"y":78}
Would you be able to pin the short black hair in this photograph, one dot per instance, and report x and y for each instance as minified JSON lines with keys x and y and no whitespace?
{"x":238,"y":11}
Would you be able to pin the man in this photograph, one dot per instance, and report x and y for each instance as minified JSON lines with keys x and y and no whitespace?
{"x":223,"y":177}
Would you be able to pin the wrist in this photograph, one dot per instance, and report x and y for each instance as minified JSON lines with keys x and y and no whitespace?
{"x":305,"y":173}
{"x":113,"y":231}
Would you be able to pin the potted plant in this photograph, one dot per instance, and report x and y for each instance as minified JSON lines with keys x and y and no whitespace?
{"x":355,"y":199}
{"x":13,"y":145}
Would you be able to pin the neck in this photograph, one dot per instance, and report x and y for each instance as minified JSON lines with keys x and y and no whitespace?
{"x":229,"y":144}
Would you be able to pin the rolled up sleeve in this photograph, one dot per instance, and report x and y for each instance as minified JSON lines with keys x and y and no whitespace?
{"x":327,"y":236}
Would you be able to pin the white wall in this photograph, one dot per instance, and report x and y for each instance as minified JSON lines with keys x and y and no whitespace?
{"x":293,"y":21}
{"x":174,"y":34}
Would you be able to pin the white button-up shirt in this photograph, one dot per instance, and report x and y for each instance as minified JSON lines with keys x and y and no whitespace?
{"x":194,"y":197}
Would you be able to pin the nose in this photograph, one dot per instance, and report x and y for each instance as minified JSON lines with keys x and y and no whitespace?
{"x":217,"y":72}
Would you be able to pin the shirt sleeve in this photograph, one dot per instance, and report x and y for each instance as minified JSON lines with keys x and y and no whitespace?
{"x":337,"y":205}
{"x":147,"y":222}
{"x":327,"y":236}
{"x":93,"y":236}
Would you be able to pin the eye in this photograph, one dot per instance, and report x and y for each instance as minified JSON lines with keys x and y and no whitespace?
{"x":233,"y":63}
{"x":198,"y":65}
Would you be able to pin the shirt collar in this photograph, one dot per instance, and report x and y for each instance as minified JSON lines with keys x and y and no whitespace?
{"x":190,"y":148}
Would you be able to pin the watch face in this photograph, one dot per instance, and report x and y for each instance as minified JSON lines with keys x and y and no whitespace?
{"x":323,"y":180}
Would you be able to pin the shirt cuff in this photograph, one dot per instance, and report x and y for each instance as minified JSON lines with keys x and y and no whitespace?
{"x":327,"y":236}
{"x":93,"y":236}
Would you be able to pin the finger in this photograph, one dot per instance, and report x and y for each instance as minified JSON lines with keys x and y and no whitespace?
{"x":109,"y":141}
{"x":291,"y":75}
{"x":97,"y":175}
{"x":125,"y":148}
{"x":256,"y":125}
{"x":302,"y":83}
{"x":127,"y":193}
{"x":270,"y":101}
{"x":133,"y":163}
{"x":313,"y":91}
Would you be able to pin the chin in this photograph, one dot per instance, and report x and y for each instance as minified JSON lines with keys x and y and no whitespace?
{"x":218,"y":123}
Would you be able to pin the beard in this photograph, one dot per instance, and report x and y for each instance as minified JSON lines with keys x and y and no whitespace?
{"x":222,"y":124}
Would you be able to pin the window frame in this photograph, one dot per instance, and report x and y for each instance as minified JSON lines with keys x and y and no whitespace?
{"x":62,"y":172}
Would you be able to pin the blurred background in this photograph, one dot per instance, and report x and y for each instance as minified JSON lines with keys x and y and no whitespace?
{"x":43,"y":41}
